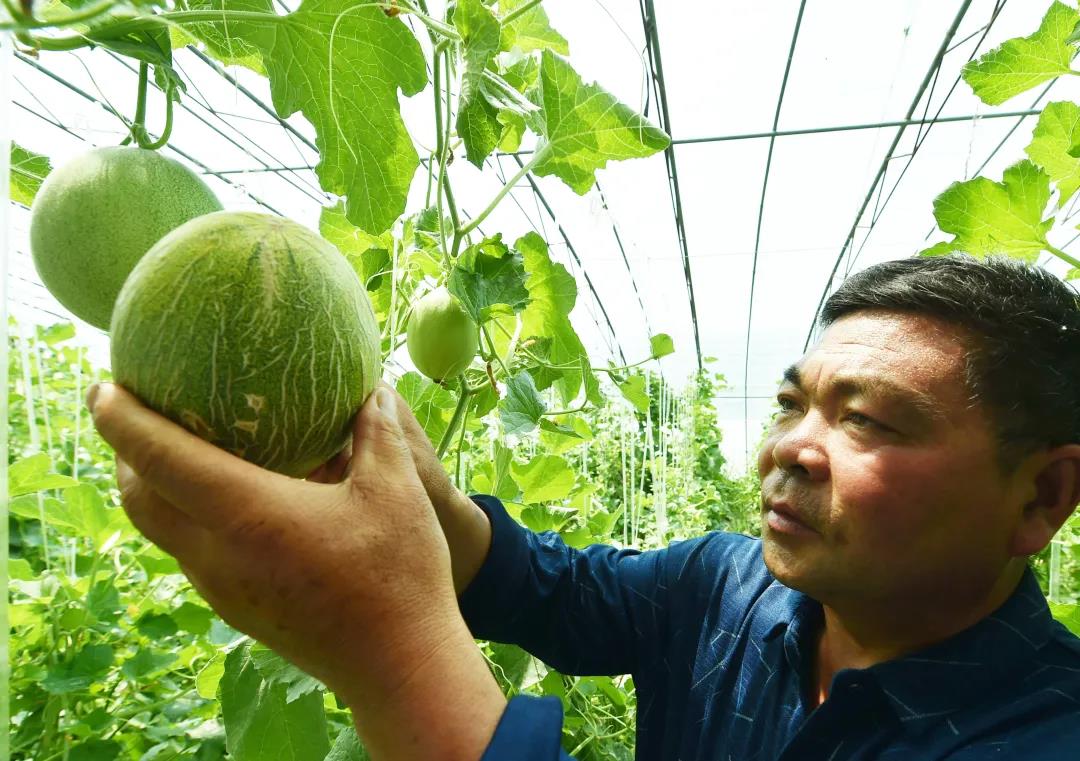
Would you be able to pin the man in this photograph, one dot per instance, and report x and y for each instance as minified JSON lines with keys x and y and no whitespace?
{"x":925,"y":447}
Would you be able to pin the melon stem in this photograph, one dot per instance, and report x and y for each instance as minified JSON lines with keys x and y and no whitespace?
{"x":1062,"y":255}
{"x":138,"y":129}
{"x":459,"y":414}
{"x":539,"y":156}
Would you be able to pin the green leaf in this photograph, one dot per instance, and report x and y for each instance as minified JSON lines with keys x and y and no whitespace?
{"x":531,"y":30}
{"x":57,"y":333}
{"x":602,"y":522}
{"x":28,"y":171}
{"x":1073,"y":274}
{"x":941,"y":248}
{"x":103,"y":602}
{"x":544,"y":478}
{"x":95,"y":750}
{"x":432,"y":404}
{"x":350,"y":240}
{"x":157,"y":625}
{"x":347,"y":87}
{"x":258,"y":717}
{"x":1022,"y":63}
{"x":513,"y":129}
{"x":369,"y":256}
{"x":552,"y":293}
{"x":347,"y":747}
{"x":521,"y":408}
{"x":209,"y":676}
{"x":633,"y":388}
{"x":546,"y":517}
{"x":1069,"y":615}
{"x":487,"y":274}
{"x":509,"y":663}
{"x":477,"y":120}
{"x":493,"y":477}
{"x":145,"y":662}
{"x":81,"y":510}
{"x":276,"y":670}
{"x":157,"y":563}
{"x":1056,"y":136}
{"x":193,"y":618}
{"x":97,"y":522}
{"x":86,"y":667}
{"x":996,"y":218}
{"x":20,"y":570}
{"x":557,"y":439}
{"x":31,"y":474}
{"x":222,"y":40}
{"x":586,"y":127}
{"x":661,"y":345}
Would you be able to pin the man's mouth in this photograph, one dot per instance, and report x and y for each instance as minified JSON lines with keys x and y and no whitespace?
{"x":781,"y":517}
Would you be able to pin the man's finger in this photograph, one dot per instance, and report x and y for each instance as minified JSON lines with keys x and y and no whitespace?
{"x":206,"y":482}
{"x":170,"y":529}
{"x":379,"y":446}
{"x":333,"y":470}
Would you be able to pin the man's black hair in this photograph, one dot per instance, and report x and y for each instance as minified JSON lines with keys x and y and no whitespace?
{"x":1023,"y":337}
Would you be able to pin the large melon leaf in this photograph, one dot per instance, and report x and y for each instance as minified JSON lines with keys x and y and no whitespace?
{"x":28,"y":171}
{"x":586,"y":126}
{"x":477,"y":120}
{"x":261,"y":723}
{"x":552,"y":294}
{"x":990,"y":217}
{"x":1022,"y":63}
{"x":1056,"y":134}
{"x":341,"y":64}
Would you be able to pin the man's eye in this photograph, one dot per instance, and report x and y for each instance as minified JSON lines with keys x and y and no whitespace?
{"x":786,"y":403}
{"x":862,"y":421}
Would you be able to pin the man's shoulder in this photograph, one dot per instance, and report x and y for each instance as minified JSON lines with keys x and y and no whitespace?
{"x":719,"y":563}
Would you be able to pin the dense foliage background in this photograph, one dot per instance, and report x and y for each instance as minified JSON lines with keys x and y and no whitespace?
{"x":115,"y":656}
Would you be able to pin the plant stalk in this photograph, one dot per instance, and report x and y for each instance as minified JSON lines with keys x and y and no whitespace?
{"x":86,"y":14}
{"x":539,"y":156}
{"x":1062,"y":255}
{"x":167,"y":131}
{"x":517,"y":13}
{"x":138,"y":127}
{"x":459,"y":415}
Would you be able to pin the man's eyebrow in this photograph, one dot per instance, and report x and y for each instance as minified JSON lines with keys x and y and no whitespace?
{"x":880,"y":387}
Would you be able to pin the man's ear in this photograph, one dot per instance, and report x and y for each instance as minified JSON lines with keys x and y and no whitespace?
{"x":1056,"y":476}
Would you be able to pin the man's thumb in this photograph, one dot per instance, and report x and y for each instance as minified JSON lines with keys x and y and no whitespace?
{"x":379,"y":445}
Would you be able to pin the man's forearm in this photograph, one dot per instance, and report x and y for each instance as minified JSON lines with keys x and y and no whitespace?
{"x":446,"y":709}
{"x":468,"y":533}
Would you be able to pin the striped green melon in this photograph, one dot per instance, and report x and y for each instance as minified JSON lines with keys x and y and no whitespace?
{"x":252,"y":332}
{"x":441,"y":337}
{"x":96,"y":216}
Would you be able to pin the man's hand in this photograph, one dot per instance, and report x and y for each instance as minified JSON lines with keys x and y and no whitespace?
{"x":465,"y":525}
{"x":349,"y":580}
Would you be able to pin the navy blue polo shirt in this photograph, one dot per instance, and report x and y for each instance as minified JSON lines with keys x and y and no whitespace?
{"x":721,"y":656}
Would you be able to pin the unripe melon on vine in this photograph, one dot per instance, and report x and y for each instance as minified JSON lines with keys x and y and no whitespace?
{"x":252,"y":332}
{"x":441,"y":336}
{"x":97,"y":215}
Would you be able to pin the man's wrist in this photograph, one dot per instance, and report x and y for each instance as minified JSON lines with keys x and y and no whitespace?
{"x":419,"y":712}
{"x":468,"y":534}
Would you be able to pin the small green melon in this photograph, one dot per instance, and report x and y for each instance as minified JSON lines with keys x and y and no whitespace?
{"x":97,"y":215}
{"x":252,"y":332}
{"x":441,"y":337}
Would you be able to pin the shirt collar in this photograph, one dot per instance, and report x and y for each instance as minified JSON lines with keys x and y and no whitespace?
{"x":956,"y":672}
{"x":947,"y":675}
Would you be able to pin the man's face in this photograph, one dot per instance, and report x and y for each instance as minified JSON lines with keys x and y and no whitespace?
{"x":878,"y":450}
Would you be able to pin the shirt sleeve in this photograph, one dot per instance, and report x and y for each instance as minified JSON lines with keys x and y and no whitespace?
{"x":594,"y":611}
{"x":530,"y":730}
